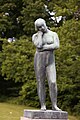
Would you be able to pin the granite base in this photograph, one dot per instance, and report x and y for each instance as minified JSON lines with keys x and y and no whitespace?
{"x":24,"y":118}
{"x":44,"y":115}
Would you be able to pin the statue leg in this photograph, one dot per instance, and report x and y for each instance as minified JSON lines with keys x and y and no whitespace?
{"x":41,"y":92}
{"x":40,"y":76}
{"x":51,"y":75}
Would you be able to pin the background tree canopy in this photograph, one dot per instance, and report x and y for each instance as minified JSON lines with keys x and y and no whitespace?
{"x":17,"y":78}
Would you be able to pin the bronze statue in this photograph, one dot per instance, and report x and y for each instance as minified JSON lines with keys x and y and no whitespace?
{"x":46,"y":43}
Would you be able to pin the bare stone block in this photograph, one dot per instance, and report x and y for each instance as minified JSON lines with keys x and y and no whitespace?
{"x":43,"y":115}
{"x":24,"y":118}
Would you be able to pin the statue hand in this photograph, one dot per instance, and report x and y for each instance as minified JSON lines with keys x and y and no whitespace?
{"x":46,"y":46}
{"x":40,"y":33}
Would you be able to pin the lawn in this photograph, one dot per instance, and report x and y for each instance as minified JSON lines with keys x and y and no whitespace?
{"x":11,"y":112}
{"x":14,"y":112}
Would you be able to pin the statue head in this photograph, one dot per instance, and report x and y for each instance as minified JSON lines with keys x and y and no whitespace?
{"x":40,"y":25}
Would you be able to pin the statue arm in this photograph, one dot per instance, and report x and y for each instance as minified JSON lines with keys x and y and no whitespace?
{"x":54,"y":45}
{"x":37,"y":39}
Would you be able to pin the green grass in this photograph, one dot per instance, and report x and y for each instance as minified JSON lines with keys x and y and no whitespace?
{"x":11,"y":112}
{"x":14,"y":112}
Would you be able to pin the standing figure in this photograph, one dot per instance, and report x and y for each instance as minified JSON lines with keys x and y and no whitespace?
{"x":46,"y":43}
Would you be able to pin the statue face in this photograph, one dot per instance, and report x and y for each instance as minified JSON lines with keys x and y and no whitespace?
{"x":42,"y":28}
{"x":40,"y":25}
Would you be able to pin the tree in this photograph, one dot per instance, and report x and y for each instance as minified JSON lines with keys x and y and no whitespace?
{"x":68,"y":65}
{"x":31,"y":11}
{"x":17,"y":57}
{"x":17,"y":65}
{"x":17,"y":60}
{"x":9,"y":18}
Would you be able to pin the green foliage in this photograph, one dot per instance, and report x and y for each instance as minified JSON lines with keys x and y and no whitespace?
{"x":9,"y":18}
{"x":16,"y":58}
{"x":17,"y":16}
{"x":68,"y":65}
{"x":31,"y":11}
{"x":66,"y":8}
{"x":17,"y":65}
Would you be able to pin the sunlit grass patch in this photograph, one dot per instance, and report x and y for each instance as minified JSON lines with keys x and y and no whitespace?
{"x":14,"y":112}
{"x":11,"y":112}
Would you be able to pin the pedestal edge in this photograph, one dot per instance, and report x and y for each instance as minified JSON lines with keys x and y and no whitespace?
{"x":24,"y":118}
{"x":48,"y":114}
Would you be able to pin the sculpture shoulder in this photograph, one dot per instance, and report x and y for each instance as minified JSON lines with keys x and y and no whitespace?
{"x":53,"y":33}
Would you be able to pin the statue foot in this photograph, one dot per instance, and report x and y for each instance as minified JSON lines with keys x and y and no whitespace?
{"x":43,"y":107}
{"x":56,"y":108}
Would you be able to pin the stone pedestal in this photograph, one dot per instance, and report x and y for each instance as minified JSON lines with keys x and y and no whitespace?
{"x":44,"y":115}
